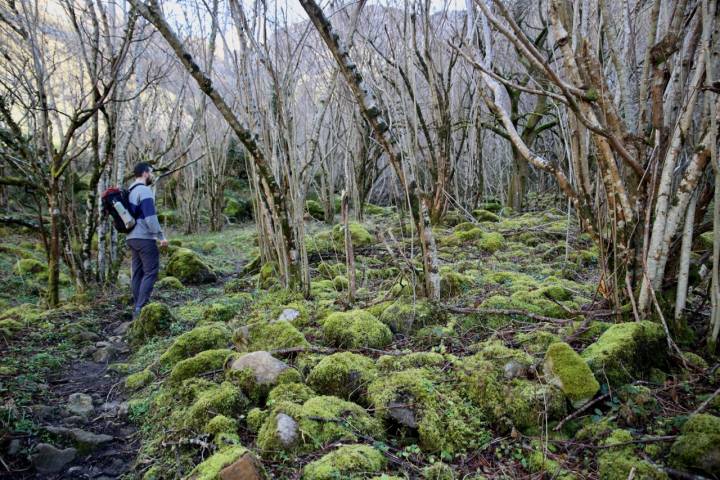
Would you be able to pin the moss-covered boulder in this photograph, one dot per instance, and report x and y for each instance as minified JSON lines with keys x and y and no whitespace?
{"x":491,"y":242}
{"x":186,"y":266}
{"x":169,"y":283}
{"x":224,"y":399}
{"x":258,"y":372}
{"x":420,"y":402}
{"x":223,"y":464}
{"x":29,"y":266}
{"x":155,"y":319}
{"x":345,"y":375}
{"x":317,"y":422}
{"x":314,"y":209}
{"x":626,"y":351}
{"x":359,"y":234}
{"x":139,"y":379}
{"x":565,"y":369}
{"x":273,"y":335}
{"x":351,"y":462}
{"x":355,"y":329}
{"x":453,"y":283}
{"x":204,"y":337}
{"x":406,"y":315}
{"x":294,"y":392}
{"x":204,"y":362}
{"x":698,"y":448}
{"x":238,"y":209}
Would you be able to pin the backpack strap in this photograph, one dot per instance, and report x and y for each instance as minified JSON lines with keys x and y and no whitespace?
{"x":133,"y":187}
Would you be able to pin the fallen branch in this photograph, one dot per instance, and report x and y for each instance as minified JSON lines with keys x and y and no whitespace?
{"x":329,"y":350}
{"x":507,"y":311}
{"x":580,"y":410}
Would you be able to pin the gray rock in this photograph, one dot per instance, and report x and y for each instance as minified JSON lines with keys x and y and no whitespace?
{"x":104,"y":354}
{"x":515,"y":369}
{"x":122,"y":328}
{"x":287,"y":430}
{"x":80,"y":436}
{"x":264,"y":366}
{"x":75,"y":420}
{"x":402,"y":414}
{"x":288,"y":314}
{"x":49,"y":459}
{"x":88,"y":336}
{"x":80,"y":404}
{"x":43,"y":412}
{"x":14,"y":447}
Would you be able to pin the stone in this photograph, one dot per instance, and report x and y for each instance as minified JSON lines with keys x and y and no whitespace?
{"x":244,"y":468}
{"x":186,"y":266}
{"x":80,"y":404}
{"x":565,"y":369}
{"x":289,"y":314}
{"x":14,"y":447}
{"x":264,"y":366}
{"x":82,"y":437}
{"x":88,"y":336}
{"x":515,"y":369}
{"x":104,"y":354}
{"x":401,"y":413}
{"x":122,"y":328}
{"x":49,"y":459}
{"x":287,"y":430}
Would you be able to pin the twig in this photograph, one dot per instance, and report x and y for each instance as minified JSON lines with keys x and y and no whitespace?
{"x":507,"y":311}
{"x":706,"y":402}
{"x":581,"y":410}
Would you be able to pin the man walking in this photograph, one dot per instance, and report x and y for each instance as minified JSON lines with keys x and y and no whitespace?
{"x":143,"y":238}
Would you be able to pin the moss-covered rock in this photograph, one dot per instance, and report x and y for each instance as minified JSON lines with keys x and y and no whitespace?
{"x":565,"y":369}
{"x":405,"y":315}
{"x":359,"y":234}
{"x":616,"y":463}
{"x":347,"y":462}
{"x":345,"y":375}
{"x":209,"y":246}
{"x":29,"y":266}
{"x":698,"y":448}
{"x":220,"y":312}
{"x":462,"y":234}
{"x":210,"y":468}
{"x":626,"y":351}
{"x":204,"y":362}
{"x":314,"y":209}
{"x":453,"y":283}
{"x":169,"y":283}
{"x":269,"y":336}
{"x":220,"y":425}
{"x":258,"y":372}
{"x":491,"y":242}
{"x":290,"y":392}
{"x":238,"y":209}
{"x":204,"y":337}
{"x":439,"y":471}
{"x":224,"y":399}
{"x":9,"y":327}
{"x":139,"y":380}
{"x":186,"y":266}
{"x":355,"y":329}
{"x":418,"y":400}
{"x":321,"y":420}
{"x":155,"y":319}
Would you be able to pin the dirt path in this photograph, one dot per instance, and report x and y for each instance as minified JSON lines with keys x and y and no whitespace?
{"x":84,"y":421}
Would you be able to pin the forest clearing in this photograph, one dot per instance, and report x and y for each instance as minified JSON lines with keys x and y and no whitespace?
{"x":246,"y":240}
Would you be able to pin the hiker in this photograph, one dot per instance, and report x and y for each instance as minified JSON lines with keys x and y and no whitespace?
{"x":144,"y":237}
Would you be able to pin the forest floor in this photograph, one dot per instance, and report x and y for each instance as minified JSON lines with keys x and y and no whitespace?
{"x":520,"y":372}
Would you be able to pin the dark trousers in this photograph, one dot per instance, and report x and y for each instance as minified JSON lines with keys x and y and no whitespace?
{"x":145,"y":268}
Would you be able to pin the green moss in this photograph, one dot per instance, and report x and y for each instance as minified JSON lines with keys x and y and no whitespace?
{"x":225,"y":399}
{"x":491,"y":242}
{"x":444,"y":421}
{"x":405,"y":315}
{"x":359,"y":234}
{"x":314,"y":209}
{"x":290,"y":392}
{"x":491,"y":206}
{"x":626,"y":350}
{"x":221,"y":424}
{"x":345,"y":375}
{"x":565,"y":369}
{"x":186,"y":266}
{"x":482,"y":215}
{"x":29,"y":266}
{"x":321,"y":420}
{"x":529,"y":404}
{"x":346,"y":462}
{"x":698,"y":448}
{"x":269,"y":336}
{"x":536,"y":342}
{"x":169,"y":283}
{"x":463,"y":235}
{"x":616,"y":463}
{"x":498,"y":353}
{"x":390,"y":363}
{"x":439,"y":471}
{"x":9,"y":327}
{"x":539,"y":462}
{"x":220,"y":312}
{"x":331,"y":270}
{"x":453,"y":283}
{"x":372,"y":209}
{"x":355,"y":329}
{"x":341,"y":282}
{"x":204,"y":337}
{"x":209,"y":246}
{"x":139,"y":380}
{"x":155,"y":319}
{"x":210,"y":468}
{"x":255,"y":419}
{"x":204,"y":362}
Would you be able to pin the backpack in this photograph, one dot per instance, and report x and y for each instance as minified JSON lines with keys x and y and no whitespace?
{"x":116,"y":203}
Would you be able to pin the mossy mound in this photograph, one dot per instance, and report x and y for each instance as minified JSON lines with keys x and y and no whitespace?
{"x":491,"y":242}
{"x":405,"y":315}
{"x":220,"y":425}
{"x":220,"y":312}
{"x":453,"y":283}
{"x":463,"y":234}
{"x":626,"y":350}
{"x":395,"y":363}
{"x":203,"y":362}
{"x":314,"y":209}
{"x":169,"y":283}
{"x":139,"y":380}
{"x":155,"y":319}
{"x":698,"y":448}
{"x":483,"y":215}
{"x":204,"y":337}
{"x":349,"y":462}
{"x":617,"y":463}
{"x":186,"y":266}
{"x":418,"y":401}
{"x":269,"y":336}
{"x":321,"y":420}
{"x":290,"y":392}
{"x":210,"y":468}
{"x":29,"y":266}
{"x":345,"y":375}
{"x":224,"y":399}
{"x":355,"y":329}
{"x":358,"y":233}
{"x":492,"y":206}
{"x":565,"y":369}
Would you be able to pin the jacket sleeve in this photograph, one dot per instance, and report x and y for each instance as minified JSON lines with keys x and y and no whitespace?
{"x":149,"y":214}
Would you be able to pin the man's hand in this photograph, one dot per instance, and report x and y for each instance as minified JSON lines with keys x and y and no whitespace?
{"x":163,"y":243}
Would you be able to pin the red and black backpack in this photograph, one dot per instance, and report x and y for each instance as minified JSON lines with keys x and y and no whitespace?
{"x":116,"y":203}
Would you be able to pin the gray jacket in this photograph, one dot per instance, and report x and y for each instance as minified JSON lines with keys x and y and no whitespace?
{"x":142,"y":207}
